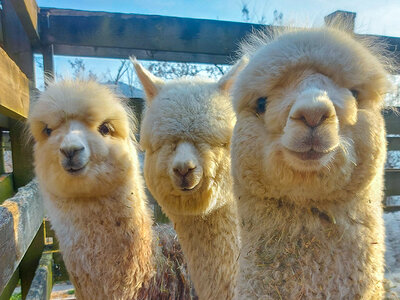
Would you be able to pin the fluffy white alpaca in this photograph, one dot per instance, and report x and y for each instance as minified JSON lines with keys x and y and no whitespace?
{"x":88,"y":172}
{"x":307,"y":157}
{"x":186,"y":133}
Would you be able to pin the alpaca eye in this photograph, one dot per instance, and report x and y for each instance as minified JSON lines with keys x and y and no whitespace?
{"x":354,"y":93}
{"x":105,"y":128}
{"x":47,"y":131}
{"x":261,"y":104}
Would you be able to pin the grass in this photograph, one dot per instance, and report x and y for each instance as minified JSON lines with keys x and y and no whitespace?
{"x":16,"y":296}
{"x":71,"y":292}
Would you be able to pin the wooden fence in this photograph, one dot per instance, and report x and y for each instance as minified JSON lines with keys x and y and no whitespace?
{"x":26,"y":29}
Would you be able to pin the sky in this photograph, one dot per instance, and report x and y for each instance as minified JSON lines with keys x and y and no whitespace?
{"x":373,"y":17}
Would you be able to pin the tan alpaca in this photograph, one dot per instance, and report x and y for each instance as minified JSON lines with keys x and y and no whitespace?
{"x":88,"y":172}
{"x":186,"y":133}
{"x":307,"y":157}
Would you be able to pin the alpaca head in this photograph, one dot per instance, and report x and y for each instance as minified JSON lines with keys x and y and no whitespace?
{"x":308,"y":108}
{"x":82,"y":139}
{"x":186,"y":133}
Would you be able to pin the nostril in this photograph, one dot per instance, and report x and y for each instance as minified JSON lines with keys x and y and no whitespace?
{"x":313,"y":120}
{"x":71,"y":152}
{"x":183,"y":170}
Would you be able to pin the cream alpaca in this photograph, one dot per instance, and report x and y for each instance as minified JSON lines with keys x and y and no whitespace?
{"x":87,"y":168}
{"x":307,"y":157}
{"x":186,"y":132}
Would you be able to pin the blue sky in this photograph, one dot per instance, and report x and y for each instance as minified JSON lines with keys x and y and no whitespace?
{"x":374,"y":17}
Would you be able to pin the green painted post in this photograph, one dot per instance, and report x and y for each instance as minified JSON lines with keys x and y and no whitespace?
{"x":21,"y":155}
{"x":29,"y":263}
{"x":9,"y":289}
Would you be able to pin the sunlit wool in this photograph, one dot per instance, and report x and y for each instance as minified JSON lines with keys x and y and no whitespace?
{"x":186,"y":133}
{"x":99,"y":213}
{"x":308,"y":172}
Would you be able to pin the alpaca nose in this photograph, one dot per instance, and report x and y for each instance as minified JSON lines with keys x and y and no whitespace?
{"x":70,"y":151}
{"x":313,"y":117}
{"x":184,"y":169}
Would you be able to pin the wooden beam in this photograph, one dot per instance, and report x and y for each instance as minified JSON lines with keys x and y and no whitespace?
{"x":142,"y":32}
{"x":43,"y":281}
{"x":341,"y":19}
{"x":16,"y":42}
{"x":124,"y":53}
{"x":393,"y":143}
{"x":392,"y":120}
{"x":48,"y":63}
{"x":14,"y":89}
{"x":392,"y":208}
{"x":392,"y":179}
{"x":1,"y":31}
{"x":27,"y":12}
{"x":115,"y":35}
{"x":20,"y":219}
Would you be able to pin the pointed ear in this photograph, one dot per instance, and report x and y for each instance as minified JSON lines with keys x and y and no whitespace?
{"x":151,"y":84}
{"x":226,"y":81}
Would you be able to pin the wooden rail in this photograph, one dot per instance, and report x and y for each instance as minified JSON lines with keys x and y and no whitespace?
{"x":14,"y":89}
{"x":116,"y":35}
{"x":20,"y":219}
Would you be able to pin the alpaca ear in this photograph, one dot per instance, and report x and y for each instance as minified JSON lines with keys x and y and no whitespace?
{"x":226,"y":81}
{"x":151,"y":84}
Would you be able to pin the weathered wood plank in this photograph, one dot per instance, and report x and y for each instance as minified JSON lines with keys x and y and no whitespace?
{"x":393,"y":144}
{"x":392,"y":182}
{"x":48,"y":63}
{"x":20,"y":218}
{"x":97,"y":34}
{"x":1,"y":30}
{"x":43,"y":281}
{"x":392,"y":119}
{"x":14,"y":89}
{"x":116,"y":52}
{"x":27,"y":12}
{"x":16,"y":42}
{"x":142,"y":32}
{"x":391,"y":208}
{"x":340,"y":17}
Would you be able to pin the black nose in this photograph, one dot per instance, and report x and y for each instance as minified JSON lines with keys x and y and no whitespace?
{"x":70,"y":152}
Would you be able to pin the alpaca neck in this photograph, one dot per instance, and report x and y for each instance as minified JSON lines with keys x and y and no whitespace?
{"x":211,"y":245}
{"x":97,"y":234}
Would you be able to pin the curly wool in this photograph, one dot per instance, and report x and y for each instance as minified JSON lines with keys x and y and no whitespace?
{"x":196,"y":112}
{"x":310,"y":232}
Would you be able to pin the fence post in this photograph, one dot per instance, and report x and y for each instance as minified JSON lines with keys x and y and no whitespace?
{"x":344,"y":20}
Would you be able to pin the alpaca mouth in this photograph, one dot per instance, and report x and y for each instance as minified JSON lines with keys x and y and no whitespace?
{"x":308,"y":155}
{"x":75,"y":170}
{"x":187,"y":189}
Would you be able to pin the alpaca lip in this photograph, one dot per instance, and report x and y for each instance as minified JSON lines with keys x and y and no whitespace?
{"x":308,"y":155}
{"x":191,"y":189}
{"x":73,"y":171}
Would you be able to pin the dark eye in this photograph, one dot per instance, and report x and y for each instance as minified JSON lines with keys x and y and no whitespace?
{"x":47,"y":131}
{"x":354,"y":93}
{"x":261,"y":104}
{"x":105,"y":129}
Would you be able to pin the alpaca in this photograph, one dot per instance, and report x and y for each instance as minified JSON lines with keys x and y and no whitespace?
{"x":87,"y":168}
{"x":186,"y":132}
{"x":308,"y":151}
